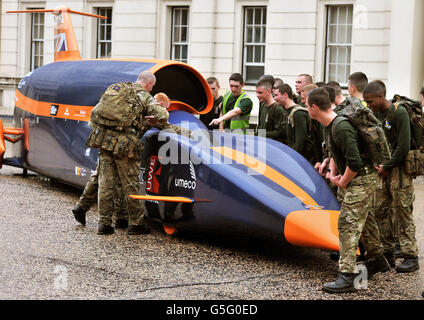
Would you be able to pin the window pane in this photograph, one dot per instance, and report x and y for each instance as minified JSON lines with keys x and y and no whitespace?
{"x":258,"y":16}
{"x":249,"y":16}
{"x":249,"y":34}
{"x":177,"y":34}
{"x":333,"y":55}
{"x":258,"y":56}
{"x":102,"y":33}
{"x":102,"y":50}
{"x":108,"y":50}
{"x":184,"y":53}
{"x":331,"y":15}
{"x":332,"y":72}
{"x":349,"y":34}
{"x":109,"y":16}
{"x":332,"y":37}
{"x":253,"y":73}
{"x":249,"y":54}
{"x":109,"y":32}
{"x":35,"y":32}
{"x":342,"y":15}
{"x":341,"y":34}
{"x":349,"y":15}
{"x":348,"y":55}
{"x":257,"y":35}
{"x":36,"y":49}
{"x":177,"y":52}
{"x":183,"y":34}
{"x":341,"y":73}
{"x":178,"y":17}
{"x":184,"y":18}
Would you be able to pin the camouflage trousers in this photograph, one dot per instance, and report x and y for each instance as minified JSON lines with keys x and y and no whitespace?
{"x":394,"y":212}
{"x":115,"y":172}
{"x":356,"y":219}
{"x":90,"y":194}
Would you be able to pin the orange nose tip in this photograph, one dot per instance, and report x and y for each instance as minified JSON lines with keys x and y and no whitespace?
{"x":313,"y":229}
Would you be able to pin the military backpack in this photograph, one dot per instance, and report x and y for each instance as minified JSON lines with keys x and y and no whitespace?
{"x":296,"y":108}
{"x":415,"y":111}
{"x":115,"y":127}
{"x":308,"y":148}
{"x":414,"y":161}
{"x":115,"y":108}
{"x":368,"y":127}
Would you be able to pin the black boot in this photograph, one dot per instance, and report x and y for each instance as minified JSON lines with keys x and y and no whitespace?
{"x":390,"y":257}
{"x":409,"y":264}
{"x":377,"y":265}
{"x":334,"y":256}
{"x":344,"y":283}
{"x":121,"y":223}
{"x":79,"y":214}
{"x":136,"y":230}
{"x":105,"y":229}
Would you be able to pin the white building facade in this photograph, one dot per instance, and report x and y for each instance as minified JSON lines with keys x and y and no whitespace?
{"x":328,"y":39}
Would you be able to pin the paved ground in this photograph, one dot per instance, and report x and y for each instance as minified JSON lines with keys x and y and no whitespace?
{"x":45,"y":254}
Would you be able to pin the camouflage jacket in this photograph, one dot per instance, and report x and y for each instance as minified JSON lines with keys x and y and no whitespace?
{"x":125,"y":141}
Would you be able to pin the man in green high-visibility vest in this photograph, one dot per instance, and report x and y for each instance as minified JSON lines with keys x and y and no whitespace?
{"x":236,"y":107}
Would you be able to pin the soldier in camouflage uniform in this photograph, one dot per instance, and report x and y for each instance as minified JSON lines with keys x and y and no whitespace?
{"x":395,"y":194}
{"x":120,"y":148}
{"x":356,"y":179}
{"x":89,"y":197}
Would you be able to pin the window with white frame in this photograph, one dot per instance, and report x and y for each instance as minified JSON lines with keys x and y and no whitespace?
{"x":179,"y":40}
{"x":339,"y":43}
{"x":104,"y":33}
{"x":254,"y":43}
{"x":37,"y":40}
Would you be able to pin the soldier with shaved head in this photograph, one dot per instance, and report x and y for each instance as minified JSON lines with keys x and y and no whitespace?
{"x":271,"y":115}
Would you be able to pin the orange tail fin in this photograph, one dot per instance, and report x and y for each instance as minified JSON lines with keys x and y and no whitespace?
{"x":66,"y":46}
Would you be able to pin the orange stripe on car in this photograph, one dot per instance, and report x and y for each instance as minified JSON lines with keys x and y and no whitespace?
{"x":162,"y":198}
{"x":40,"y":108}
{"x":268,"y":172}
